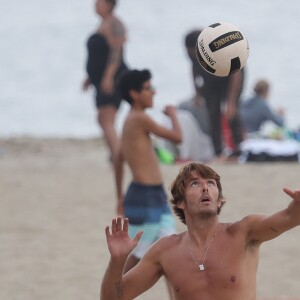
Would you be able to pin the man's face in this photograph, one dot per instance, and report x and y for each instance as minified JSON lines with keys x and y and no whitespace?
{"x":146,"y":94}
{"x":201,"y":196}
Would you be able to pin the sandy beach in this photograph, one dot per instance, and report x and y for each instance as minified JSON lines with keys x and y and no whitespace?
{"x":57,"y":196}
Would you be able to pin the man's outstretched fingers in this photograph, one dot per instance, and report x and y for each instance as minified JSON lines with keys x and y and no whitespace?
{"x":107,"y":233}
{"x":113,"y":225}
{"x":289,"y":192}
{"x":138,"y":236}
{"x":126,"y":225}
{"x":119,"y":223}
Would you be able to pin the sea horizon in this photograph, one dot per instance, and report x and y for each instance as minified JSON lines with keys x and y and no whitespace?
{"x":43,"y":56}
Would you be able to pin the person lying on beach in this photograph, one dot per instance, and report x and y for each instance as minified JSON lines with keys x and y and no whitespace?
{"x":210,"y":260}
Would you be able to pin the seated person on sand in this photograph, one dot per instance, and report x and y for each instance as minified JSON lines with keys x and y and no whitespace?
{"x":255,"y":111}
{"x":196,"y":142}
{"x":197,"y":107}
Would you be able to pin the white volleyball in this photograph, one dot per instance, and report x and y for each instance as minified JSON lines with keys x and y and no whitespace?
{"x":222,"y":49}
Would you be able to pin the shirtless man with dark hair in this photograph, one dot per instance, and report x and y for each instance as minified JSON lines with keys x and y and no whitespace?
{"x":145,"y":202}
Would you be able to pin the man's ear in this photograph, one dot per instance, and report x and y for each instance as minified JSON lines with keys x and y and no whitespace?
{"x":133,"y":94}
{"x":181,"y":204}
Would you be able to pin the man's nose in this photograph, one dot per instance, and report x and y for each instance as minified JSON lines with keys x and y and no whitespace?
{"x":205,"y":189}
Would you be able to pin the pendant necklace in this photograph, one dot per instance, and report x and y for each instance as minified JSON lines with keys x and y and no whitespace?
{"x":201,"y":265}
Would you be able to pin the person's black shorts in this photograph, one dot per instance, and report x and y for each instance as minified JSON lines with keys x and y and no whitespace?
{"x":102,"y":99}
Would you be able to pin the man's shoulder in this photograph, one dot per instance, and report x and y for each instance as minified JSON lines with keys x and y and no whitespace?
{"x":164,"y":247}
{"x":136,"y":116}
{"x":171,"y":240}
{"x":166,"y":241}
{"x":244,"y":224}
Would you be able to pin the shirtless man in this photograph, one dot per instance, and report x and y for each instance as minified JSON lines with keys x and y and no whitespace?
{"x":211,"y":260}
{"x":145,"y":202}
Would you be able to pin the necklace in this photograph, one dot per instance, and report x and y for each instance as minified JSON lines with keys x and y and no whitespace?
{"x":201,"y":266}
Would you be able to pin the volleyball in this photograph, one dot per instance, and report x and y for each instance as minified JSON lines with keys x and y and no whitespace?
{"x":222,"y":49}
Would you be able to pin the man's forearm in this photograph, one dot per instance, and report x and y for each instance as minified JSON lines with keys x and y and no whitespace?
{"x":177,"y":129}
{"x":111,"y":287}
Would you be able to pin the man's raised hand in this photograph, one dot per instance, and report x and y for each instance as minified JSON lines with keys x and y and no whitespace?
{"x":119,"y":243}
{"x":293,"y":194}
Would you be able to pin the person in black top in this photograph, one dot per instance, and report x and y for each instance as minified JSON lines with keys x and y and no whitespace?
{"x":104,"y":65}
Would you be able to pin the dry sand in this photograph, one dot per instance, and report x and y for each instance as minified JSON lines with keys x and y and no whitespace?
{"x":57,"y":195}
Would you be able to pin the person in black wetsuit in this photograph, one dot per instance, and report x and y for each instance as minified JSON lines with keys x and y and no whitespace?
{"x":104,"y":64}
{"x":217,"y":91}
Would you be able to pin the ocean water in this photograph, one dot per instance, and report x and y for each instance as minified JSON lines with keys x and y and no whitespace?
{"x":43,"y":54}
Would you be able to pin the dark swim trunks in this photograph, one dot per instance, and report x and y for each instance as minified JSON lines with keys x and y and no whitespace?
{"x":98,"y":53}
{"x":147,"y":209}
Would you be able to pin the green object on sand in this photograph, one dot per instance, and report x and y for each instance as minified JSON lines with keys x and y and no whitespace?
{"x":164,"y":156}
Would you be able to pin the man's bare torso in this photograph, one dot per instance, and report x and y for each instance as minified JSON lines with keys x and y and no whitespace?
{"x":230,"y":267}
{"x":138,"y":150}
